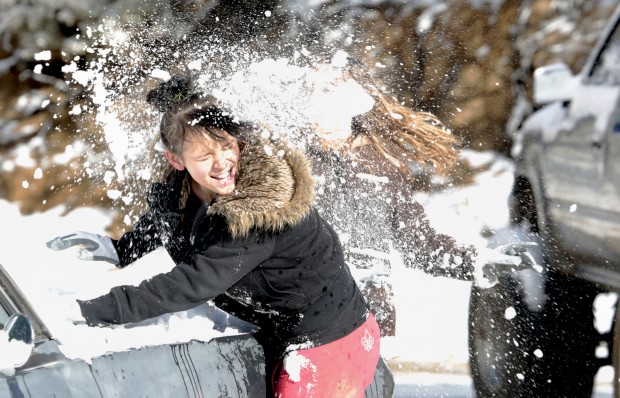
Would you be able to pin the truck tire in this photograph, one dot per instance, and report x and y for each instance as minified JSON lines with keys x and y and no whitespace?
{"x":383,"y":383}
{"x":616,"y":352}
{"x":502,"y":341}
{"x":568,"y":337}
{"x":516,"y":352}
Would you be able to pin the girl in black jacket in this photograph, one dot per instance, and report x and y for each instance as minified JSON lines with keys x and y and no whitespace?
{"x":238,"y":219}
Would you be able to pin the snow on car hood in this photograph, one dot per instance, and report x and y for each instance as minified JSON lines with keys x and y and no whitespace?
{"x":52,"y":281}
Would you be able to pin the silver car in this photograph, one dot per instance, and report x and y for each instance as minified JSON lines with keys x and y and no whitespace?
{"x":534,"y":336}
{"x":229,"y":366}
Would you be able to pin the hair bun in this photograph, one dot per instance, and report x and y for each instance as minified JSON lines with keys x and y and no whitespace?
{"x":172,"y":93}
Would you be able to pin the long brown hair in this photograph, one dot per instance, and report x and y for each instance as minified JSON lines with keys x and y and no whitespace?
{"x":402,"y":135}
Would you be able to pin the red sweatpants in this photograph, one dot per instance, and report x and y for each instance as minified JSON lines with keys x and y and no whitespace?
{"x":340,"y":369}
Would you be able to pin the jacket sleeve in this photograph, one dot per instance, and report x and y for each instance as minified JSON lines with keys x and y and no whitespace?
{"x":204,"y":276}
{"x":422,"y":247}
{"x":155,"y":227}
{"x":142,"y":240}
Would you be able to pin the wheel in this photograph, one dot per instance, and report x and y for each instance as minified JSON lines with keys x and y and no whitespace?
{"x":568,"y":337}
{"x":502,"y":341}
{"x":518,"y":350}
{"x":616,"y":352}
{"x":382,"y":384}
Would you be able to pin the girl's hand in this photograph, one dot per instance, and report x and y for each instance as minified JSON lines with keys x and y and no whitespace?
{"x":503,"y":260}
{"x":93,"y":247}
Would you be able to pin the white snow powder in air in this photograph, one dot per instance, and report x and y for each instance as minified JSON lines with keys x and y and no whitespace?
{"x":43,"y":56}
{"x":38,"y":174}
{"x":510,"y":313}
{"x":160,"y":74}
{"x":114,"y":194}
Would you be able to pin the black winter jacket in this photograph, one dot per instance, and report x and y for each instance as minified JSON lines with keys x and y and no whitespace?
{"x":380,"y":210}
{"x":262,"y":253}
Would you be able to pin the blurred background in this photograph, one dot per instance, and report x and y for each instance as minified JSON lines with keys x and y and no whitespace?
{"x":470,"y":62}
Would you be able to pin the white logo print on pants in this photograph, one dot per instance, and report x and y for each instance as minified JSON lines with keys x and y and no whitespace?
{"x":368,"y":341}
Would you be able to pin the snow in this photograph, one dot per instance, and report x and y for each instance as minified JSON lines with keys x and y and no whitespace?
{"x":293,"y":363}
{"x":432,"y":312}
{"x":13,"y":353}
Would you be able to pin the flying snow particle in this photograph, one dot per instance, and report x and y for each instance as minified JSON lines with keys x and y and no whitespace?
{"x":108,"y":176}
{"x":38,"y":174}
{"x":195,"y":65}
{"x":538,"y":353}
{"x":573,"y":208}
{"x":114,"y":194}
{"x":267,"y":13}
{"x":70,"y":68}
{"x":160,"y":74}
{"x":510,"y":313}
{"x":145,"y":174}
{"x":340,"y":59}
{"x":43,"y":56}
{"x":82,"y":77}
{"x":76,"y":110}
{"x":37,"y":69}
{"x":25,"y":184}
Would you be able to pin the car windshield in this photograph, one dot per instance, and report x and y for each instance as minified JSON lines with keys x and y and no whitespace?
{"x":607,"y":67}
{"x":4,"y":315}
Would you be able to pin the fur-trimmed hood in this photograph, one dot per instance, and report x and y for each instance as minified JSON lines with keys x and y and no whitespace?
{"x":274,"y":190}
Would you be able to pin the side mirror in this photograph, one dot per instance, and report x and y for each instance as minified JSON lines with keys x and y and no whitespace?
{"x":19,"y":334}
{"x":554,"y":82}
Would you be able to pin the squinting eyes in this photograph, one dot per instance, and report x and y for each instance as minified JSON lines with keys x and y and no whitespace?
{"x":208,"y":156}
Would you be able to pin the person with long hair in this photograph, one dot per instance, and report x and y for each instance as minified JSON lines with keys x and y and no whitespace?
{"x":368,"y":149}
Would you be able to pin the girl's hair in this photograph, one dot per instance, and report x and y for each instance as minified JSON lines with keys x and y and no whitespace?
{"x":403,"y":136}
{"x":188,"y":112}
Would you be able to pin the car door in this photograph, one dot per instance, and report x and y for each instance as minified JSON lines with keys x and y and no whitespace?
{"x":230,"y":366}
{"x":579,"y":169}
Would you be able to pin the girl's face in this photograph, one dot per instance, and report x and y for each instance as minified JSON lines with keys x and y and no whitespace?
{"x":211,"y":163}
